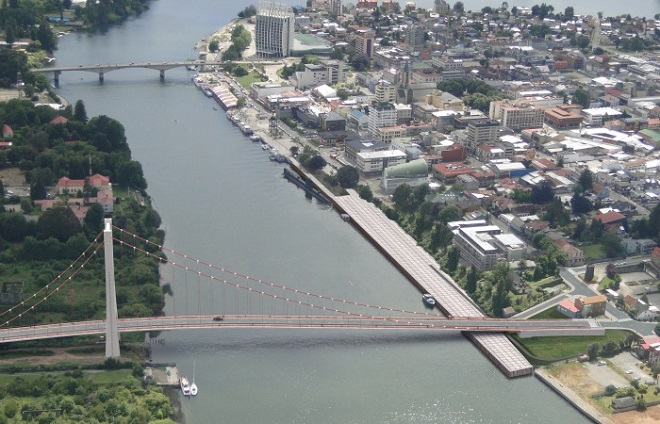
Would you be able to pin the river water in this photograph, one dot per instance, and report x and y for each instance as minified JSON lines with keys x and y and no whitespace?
{"x":222,"y":201}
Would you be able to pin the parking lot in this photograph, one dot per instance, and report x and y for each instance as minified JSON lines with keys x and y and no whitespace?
{"x":626,"y":361}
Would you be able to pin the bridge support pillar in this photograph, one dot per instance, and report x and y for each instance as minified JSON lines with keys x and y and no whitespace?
{"x":162,"y":74}
{"x":56,"y":77}
{"x":111,"y":330}
{"x":101,"y":77}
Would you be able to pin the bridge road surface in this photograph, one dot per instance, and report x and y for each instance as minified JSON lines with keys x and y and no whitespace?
{"x":423,"y":322}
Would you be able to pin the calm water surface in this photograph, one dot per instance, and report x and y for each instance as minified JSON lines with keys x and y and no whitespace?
{"x":222,"y":201}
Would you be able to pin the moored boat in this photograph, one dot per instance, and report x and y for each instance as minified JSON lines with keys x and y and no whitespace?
{"x":193,"y":386}
{"x":185,"y":386}
{"x":428,"y":300}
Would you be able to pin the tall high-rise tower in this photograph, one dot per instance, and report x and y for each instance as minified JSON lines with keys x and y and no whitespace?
{"x":274,"y":30}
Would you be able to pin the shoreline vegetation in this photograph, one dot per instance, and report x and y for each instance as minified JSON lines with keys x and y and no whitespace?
{"x":38,"y":247}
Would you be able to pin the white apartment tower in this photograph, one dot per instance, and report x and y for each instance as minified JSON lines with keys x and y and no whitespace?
{"x":381,"y":115}
{"x":274,"y":30}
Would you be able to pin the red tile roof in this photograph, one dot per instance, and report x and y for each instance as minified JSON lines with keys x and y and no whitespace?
{"x":568,"y":305}
{"x":59,"y":120}
{"x":609,"y":217}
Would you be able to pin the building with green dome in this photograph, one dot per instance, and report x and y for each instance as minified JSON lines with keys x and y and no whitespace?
{"x":413,"y":173}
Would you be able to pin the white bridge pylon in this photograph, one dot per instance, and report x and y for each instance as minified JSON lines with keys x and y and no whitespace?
{"x":111,"y":330}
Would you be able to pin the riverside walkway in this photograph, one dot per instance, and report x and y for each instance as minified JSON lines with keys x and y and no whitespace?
{"x":423,"y":271}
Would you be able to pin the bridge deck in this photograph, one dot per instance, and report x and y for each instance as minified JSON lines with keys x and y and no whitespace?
{"x":423,"y":270}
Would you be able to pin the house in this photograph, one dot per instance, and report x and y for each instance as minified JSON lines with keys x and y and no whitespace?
{"x":66,"y":185}
{"x":591,"y":306}
{"x":649,"y":350}
{"x":574,"y":256}
{"x":624,"y":403}
{"x":568,"y":308}
{"x":7,"y":132}
{"x":59,"y":120}
{"x":611,"y":220}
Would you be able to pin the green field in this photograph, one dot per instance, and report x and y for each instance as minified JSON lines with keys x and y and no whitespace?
{"x":247,"y":80}
{"x":555,"y":348}
{"x":594,"y":252}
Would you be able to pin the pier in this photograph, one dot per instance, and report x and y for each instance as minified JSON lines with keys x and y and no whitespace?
{"x":423,"y":271}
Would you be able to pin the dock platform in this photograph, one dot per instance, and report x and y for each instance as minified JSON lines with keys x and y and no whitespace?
{"x":167,"y":375}
{"x":422,"y":269}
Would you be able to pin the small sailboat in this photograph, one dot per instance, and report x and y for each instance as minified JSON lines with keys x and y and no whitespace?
{"x":193,"y":386}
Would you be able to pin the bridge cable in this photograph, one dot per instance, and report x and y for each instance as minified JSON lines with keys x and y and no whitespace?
{"x":275,"y":285}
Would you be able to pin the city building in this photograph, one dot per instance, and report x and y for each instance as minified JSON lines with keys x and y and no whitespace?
{"x":561,"y":119}
{"x":592,"y":306}
{"x":370,"y":163}
{"x":274,"y":30}
{"x":447,"y":172}
{"x":381,"y":115}
{"x":574,"y":256}
{"x":568,"y":308}
{"x":478,"y":133}
{"x":649,"y":350}
{"x":413,"y":173}
{"x":476,"y":245}
{"x":596,"y":116}
{"x":415,"y":36}
{"x":385,"y":92}
{"x":364,"y":42}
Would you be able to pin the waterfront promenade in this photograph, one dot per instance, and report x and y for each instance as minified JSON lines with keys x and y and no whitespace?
{"x":424,"y":272}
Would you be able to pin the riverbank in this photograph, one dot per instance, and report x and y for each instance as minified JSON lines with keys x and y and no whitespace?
{"x":571,"y":397}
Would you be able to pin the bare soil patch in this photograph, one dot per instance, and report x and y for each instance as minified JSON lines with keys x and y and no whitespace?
{"x":650,"y":416}
{"x":12,"y":177}
{"x":576,"y":376}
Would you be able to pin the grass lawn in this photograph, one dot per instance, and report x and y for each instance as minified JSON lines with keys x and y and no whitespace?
{"x":247,"y":80}
{"x":550,"y":313}
{"x":605,"y":283}
{"x":109,"y":377}
{"x":594,"y":251}
{"x":550,"y":348}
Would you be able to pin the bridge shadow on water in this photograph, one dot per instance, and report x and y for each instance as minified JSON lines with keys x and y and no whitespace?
{"x":300,"y":340}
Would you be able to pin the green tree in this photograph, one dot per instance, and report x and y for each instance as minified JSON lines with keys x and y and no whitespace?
{"x":593,"y":350}
{"x":94,"y":218}
{"x":214,"y":45}
{"x":542,"y":193}
{"x":59,"y":222}
{"x":581,"y":97}
{"x":471,"y":279}
{"x":402,"y":198}
{"x":11,"y":30}
{"x":348,"y":176}
{"x":586,"y":180}
{"x":580,"y":204}
{"x":569,"y":13}
{"x":80,"y":112}
{"x":316,"y":163}
{"x":365,"y":192}
{"x":46,"y":37}
{"x":453,"y":256}
{"x":613,"y":246}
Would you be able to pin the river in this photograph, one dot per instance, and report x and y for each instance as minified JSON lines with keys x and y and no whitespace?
{"x":222,"y":201}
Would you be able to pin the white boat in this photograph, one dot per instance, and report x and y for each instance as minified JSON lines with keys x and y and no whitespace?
{"x":185,"y":386}
{"x":428,"y":299}
{"x":193,"y":386}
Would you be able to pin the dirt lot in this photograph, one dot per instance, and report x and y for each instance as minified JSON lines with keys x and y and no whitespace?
{"x":12,"y":177}
{"x":8,"y":94}
{"x":577,"y":377}
{"x":650,"y":416}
